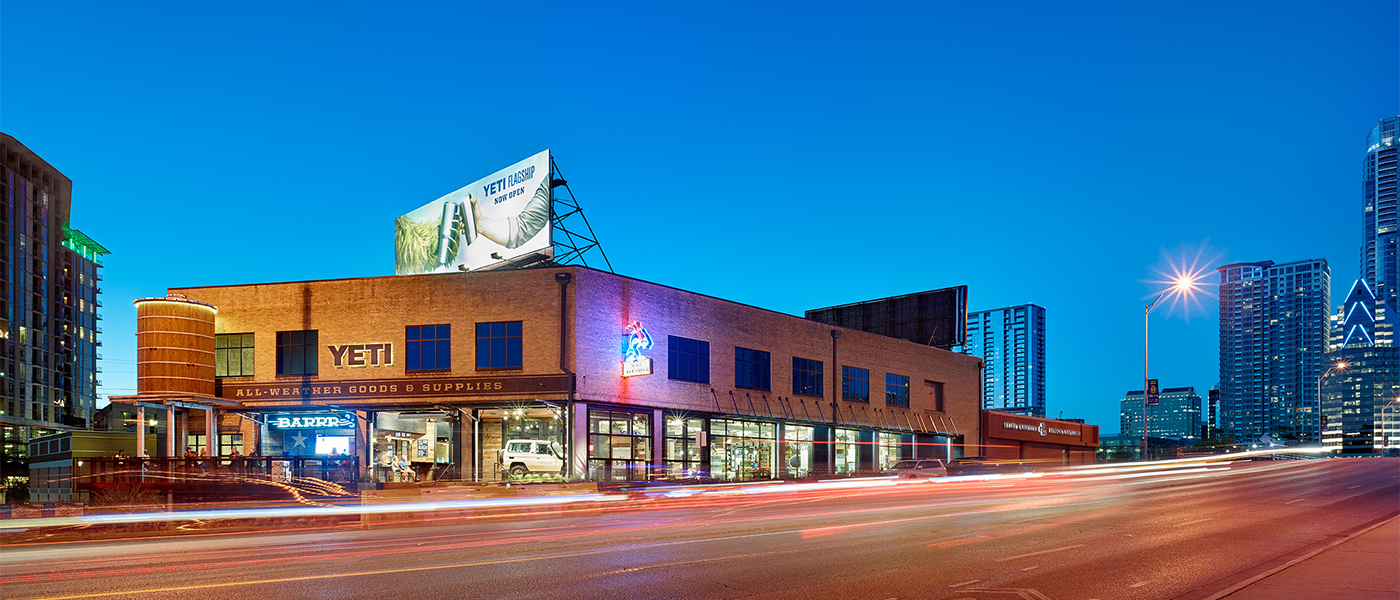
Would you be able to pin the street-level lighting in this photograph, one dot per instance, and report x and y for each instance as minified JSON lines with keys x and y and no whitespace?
{"x":1385,"y":428}
{"x":1340,"y":366}
{"x":1184,"y":286}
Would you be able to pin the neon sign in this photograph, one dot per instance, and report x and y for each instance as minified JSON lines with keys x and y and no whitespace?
{"x":312,"y":421}
{"x":635,"y":341}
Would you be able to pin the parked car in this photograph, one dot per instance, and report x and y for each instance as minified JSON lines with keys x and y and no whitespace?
{"x":981,"y":465}
{"x":520,"y":457}
{"x":919,"y":469}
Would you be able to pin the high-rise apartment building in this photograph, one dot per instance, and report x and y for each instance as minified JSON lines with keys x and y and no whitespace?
{"x":1011,"y":343}
{"x":1176,"y":416}
{"x":1363,"y":369}
{"x":1380,"y":218}
{"x":50,"y":292}
{"x":1274,"y":329}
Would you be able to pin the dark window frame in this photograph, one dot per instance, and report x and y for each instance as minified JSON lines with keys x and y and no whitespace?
{"x":855,"y":384}
{"x":298,"y":348}
{"x":415,"y":343}
{"x":806,"y":380}
{"x":504,"y":346}
{"x":753,"y":369}
{"x":896,"y":390}
{"x":687,"y":359}
{"x":224,"y":348}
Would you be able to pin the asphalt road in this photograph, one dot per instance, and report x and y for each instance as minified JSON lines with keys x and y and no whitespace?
{"x":1181,"y":534}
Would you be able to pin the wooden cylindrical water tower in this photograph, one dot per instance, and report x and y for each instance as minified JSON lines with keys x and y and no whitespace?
{"x":174,"y":345}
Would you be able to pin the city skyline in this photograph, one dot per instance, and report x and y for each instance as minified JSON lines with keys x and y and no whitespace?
{"x":766,"y":147}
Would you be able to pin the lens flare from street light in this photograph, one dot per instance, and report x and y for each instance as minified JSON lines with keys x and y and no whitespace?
{"x":1184,"y":279}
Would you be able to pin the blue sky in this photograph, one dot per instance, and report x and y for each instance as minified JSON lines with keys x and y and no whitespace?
{"x":788,"y":156}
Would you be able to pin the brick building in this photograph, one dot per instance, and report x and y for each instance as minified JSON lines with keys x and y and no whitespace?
{"x":623,"y":379}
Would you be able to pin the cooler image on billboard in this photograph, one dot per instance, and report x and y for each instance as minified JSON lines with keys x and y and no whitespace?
{"x":495,"y":219}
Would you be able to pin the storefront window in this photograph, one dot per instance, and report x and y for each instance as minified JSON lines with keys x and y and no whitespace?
{"x":228,"y":442}
{"x":743,"y":450}
{"x":889,"y":450}
{"x":682,"y":452}
{"x":847,"y":451}
{"x":797,"y":450}
{"x":619,"y":445}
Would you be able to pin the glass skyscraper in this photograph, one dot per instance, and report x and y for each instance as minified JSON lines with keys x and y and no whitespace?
{"x":1356,"y":398}
{"x":1380,"y":218}
{"x":1274,"y":330}
{"x":1011,"y":343}
{"x":1176,"y":416}
{"x":50,"y":292}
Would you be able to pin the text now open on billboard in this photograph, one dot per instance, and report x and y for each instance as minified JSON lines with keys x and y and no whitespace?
{"x":495,"y":219}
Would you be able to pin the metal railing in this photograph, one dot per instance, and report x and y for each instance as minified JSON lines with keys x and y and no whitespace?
{"x":227,"y":477}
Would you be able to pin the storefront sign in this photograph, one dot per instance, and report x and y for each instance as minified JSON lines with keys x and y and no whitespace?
{"x":405,"y":387}
{"x":311,"y":421}
{"x":636,"y":367}
{"x":360,"y":355}
{"x":635,"y":342}
{"x":1015,"y":427}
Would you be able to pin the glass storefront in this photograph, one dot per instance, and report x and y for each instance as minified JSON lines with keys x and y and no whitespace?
{"x":888,"y":453}
{"x":403,"y":449}
{"x":847,"y":448}
{"x":743,"y":450}
{"x":504,"y":448}
{"x":683,"y":453}
{"x":619,"y":445}
{"x":797,"y":450}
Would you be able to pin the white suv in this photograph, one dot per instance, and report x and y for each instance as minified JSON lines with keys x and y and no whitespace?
{"x":532,"y":456}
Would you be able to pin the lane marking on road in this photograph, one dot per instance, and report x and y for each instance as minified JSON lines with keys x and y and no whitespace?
{"x":1023,"y":593}
{"x":687,"y":562}
{"x":400,"y":570}
{"x":1030,"y":554}
{"x":958,"y":585}
{"x":1032,"y":568}
{"x":1194,"y":522}
{"x":1298,"y":500}
{"x":1354,"y":487}
{"x":1139,"y":584}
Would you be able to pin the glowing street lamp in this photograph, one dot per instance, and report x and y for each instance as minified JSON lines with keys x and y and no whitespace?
{"x":1340,"y":366}
{"x":1183,"y":287}
{"x":1386,"y":428}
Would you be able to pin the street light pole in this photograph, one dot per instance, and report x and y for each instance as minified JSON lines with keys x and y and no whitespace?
{"x":1341,"y":366}
{"x":1150,"y":305}
{"x":1182,"y":287}
{"x":1385,"y":429}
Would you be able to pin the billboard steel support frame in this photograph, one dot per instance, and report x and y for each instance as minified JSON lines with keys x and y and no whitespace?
{"x":570,"y":243}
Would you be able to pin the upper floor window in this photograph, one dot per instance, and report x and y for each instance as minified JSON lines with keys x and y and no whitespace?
{"x":752,"y":369}
{"x":499,"y":346}
{"x":807,"y":377}
{"x":429,"y":347}
{"x":296,"y":352}
{"x":687,"y":359}
{"x":896,"y":390}
{"x":855,"y":384}
{"x":233,"y":355}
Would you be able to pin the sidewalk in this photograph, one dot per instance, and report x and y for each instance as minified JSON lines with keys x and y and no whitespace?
{"x":1365,"y":567}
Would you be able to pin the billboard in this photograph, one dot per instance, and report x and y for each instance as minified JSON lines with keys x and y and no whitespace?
{"x":934,"y":318}
{"x":492,"y":220}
